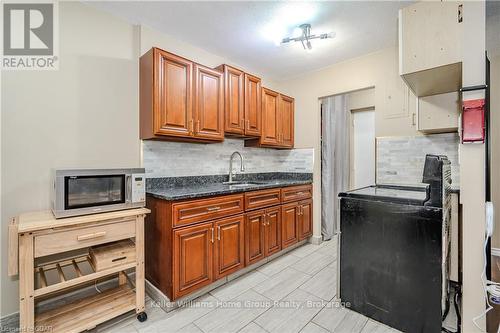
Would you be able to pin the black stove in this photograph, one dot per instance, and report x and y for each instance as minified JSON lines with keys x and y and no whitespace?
{"x":394,"y":245}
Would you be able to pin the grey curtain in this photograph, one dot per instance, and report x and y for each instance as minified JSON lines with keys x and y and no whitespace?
{"x":335,"y":151}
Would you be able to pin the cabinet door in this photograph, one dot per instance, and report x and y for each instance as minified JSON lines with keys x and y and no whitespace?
{"x":289,"y":224}
{"x":287,"y":121}
{"x":254,"y":237}
{"x":305,"y":219}
{"x":209,"y":103}
{"x":273,"y":230}
{"x":192,"y":258}
{"x":229,"y":245}
{"x":172,"y":95}
{"x":253,"y":106}
{"x":270,"y":118}
{"x":234,"y":101}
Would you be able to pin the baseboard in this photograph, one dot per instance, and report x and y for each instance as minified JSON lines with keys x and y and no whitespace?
{"x":316,"y":240}
{"x":495,"y":252}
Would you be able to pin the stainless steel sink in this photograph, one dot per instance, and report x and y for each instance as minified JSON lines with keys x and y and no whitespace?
{"x":242,"y":183}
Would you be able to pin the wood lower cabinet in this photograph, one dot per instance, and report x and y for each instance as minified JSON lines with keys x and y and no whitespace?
{"x":179,"y":99}
{"x":263,"y":236}
{"x":272,"y":230}
{"x":192,"y":243}
{"x":289,"y":224}
{"x":229,"y":245}
{"x":255,"y":237}
{"x":192,"y":258}
{"x":305,"y":219}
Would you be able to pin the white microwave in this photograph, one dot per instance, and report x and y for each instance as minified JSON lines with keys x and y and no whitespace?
{"x":89,"y":191}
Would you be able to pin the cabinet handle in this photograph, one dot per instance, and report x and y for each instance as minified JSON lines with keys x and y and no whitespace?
{"x":197,"y":126}
{"x":218,"y":232}
{"x":248,"y":124}
{"x":212,"y":229}
{"x":91,"y":236}
{"x":242,"y":123}
{"x":211,"y":209}
{"x":191,"y":126}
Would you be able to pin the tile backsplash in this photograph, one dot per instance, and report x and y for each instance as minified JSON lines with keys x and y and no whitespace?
{"x":401,"y":159}
{"x":175,"y":159}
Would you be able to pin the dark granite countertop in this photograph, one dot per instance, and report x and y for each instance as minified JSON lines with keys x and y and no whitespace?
{"x":177,"y":188}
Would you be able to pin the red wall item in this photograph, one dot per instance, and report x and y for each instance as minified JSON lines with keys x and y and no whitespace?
{"x":473,"y":127}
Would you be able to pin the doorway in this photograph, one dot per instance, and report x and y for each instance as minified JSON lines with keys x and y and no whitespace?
{"x":362,"y":148}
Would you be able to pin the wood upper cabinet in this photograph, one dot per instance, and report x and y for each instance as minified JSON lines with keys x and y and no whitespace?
{"x":277,"y":121}
{"x":192,"y":258}
{"x":289,"y":224}
{"x":273,"y":230}
{"x":286,"y":105}
{"x":166,"y":94}
{"x":253,"y":106}
{"x":209,"y":102}
{"x":175,"y":95}
{"x":270,"y":118}
{"x":234,"y":80}
{"x":242,"y":102}
{"x":229,"y":245}
{"x":255,"y":237}
{"x":305,"y":219}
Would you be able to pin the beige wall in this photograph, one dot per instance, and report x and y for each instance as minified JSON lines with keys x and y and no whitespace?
{"x":495,"y":143}
{"x":83,"y":115}
{"x":394,"y":107}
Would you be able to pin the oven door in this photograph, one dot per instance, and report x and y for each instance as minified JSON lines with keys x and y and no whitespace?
{"x":94,"y":191}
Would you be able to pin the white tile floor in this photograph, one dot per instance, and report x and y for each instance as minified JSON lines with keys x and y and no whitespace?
{"x":293,"y":293}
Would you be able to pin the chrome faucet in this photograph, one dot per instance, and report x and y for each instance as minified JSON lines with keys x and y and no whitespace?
{"x":231,"y":165}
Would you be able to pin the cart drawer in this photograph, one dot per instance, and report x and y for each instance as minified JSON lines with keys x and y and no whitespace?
{"x":261,"y":199}
{"x":67,"y":240}
{"x":296,"y":193}
{"x":192,"y":211}
{"x":110,"y":255}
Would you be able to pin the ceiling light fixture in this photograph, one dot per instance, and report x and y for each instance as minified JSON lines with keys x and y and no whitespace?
{"x":305,"y":37}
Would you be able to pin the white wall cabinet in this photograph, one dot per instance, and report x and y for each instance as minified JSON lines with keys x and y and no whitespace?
{"x":430,"y":50}
{"x":439,"y":113}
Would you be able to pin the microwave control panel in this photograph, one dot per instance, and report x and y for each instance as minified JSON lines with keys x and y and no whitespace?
{"x":138,"y":187}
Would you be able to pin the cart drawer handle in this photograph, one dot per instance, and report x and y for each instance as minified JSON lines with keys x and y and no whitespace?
{"x":118,"y":259}
{"x":210,"y":209}
{"x":90,"y":236}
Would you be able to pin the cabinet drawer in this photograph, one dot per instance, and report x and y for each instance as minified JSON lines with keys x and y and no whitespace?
{"x":61,"y":241}
{"x":206,"y":209}
{"x":296,"y":193}
{"x":261,"y":199}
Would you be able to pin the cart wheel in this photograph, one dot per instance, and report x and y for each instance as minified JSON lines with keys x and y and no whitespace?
{"x":142,"y":317}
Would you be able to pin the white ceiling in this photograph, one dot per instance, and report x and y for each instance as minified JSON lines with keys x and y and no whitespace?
{"x":245,"y":32}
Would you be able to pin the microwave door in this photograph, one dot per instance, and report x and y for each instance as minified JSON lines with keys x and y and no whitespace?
{"x":94,"y":191}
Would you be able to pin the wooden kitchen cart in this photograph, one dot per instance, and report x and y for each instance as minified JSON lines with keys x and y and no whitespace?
{"x":52,"y":258}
